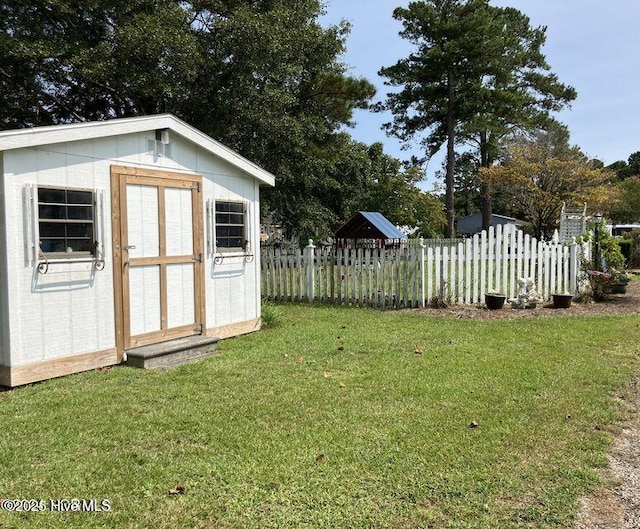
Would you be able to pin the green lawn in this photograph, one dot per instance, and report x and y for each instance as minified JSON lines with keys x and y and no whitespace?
{"x":295,"y":427}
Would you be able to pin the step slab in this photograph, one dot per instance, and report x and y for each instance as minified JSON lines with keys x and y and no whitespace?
{"x":172,"y":353}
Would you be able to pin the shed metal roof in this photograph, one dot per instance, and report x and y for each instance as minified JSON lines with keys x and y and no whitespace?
{"x":36,"y":136}
{"x":369,"y":225}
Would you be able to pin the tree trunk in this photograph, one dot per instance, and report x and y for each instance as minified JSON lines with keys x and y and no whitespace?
{"x":485,"y":188}
{"x":451,"y":159}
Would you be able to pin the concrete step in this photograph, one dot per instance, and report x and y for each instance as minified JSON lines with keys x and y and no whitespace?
{"x":172,"y":353}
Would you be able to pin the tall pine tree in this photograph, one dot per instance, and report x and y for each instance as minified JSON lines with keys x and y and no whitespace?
{"x":476,"y":70}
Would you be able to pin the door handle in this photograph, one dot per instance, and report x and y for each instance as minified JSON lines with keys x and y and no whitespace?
{"x":130,"y":247}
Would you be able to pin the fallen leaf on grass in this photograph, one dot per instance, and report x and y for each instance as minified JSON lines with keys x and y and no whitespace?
{"x":320,"y":458}
{"x":341,"y":348}
{"x":417,"y":351}
{"x":299,"y":360}
{"x":473,"y":424}
{"x":327,"y":374}
{"x":342,"y":385}
{"x":103,"y":369}
{"x":178,"y":489}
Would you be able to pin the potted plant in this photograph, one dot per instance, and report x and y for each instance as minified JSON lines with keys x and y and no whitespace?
{"x":562,"y":300}
{"x":494,"y":300}
{"x":619,"y":282}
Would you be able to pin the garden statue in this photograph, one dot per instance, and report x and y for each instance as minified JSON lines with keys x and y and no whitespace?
{"x":528,"y":296}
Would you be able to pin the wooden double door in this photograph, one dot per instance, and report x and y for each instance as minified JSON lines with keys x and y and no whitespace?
{"x":158,"y":252}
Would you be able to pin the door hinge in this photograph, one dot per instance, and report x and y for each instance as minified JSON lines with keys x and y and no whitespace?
{"x":196,"y":186}
{"x":198,"y":258}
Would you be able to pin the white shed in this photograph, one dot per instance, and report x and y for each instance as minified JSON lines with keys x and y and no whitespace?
{"x":121,"y":234}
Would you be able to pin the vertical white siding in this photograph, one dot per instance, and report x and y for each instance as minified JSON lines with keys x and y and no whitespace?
{"x":232,"y":283}
{"x":4,"y":305}
{"x":69,"y":310}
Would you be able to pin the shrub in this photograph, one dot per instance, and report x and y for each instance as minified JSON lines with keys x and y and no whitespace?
{"x":609,"y":250}
{"x":271,"y":315}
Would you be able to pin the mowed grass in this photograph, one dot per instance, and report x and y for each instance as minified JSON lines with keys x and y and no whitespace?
{"x":331,"y":420}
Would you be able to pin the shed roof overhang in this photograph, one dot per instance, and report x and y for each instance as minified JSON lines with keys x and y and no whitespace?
{"x":37,"y":136}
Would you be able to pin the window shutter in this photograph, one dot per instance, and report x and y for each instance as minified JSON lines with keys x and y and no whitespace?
{"x":207,"y":227}
{"x":98,"y":224}
{"x":32,"y":236}
{"x":213,"y":228}
{"x":246,"y":210}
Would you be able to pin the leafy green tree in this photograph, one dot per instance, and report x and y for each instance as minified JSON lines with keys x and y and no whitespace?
{"x":477,"y":70}
{"x":262,"y":76}
{"x":538,"y":175}
{"x":629,"y":168}
{"x":279,"y":97}
{"x":627,"y":207}
{"x":73,"y":61}
{"x":364,"y":178}
{"x":394,"y":192}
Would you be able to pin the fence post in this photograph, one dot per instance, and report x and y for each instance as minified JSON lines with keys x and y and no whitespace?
{"x":574,"y":267}
{"x":421,"y":274}
{"x":309,"y":263}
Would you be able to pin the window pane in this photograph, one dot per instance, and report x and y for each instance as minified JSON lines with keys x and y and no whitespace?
{"x":230,"y":220}
{"x":79,"y":197}
{"x":51,"y":195}
{"x":222,"y":218}
{"x":52,"y":229}
{"x":52,"y":212}
{"x":52,"y":245}
{"x":80,"y":230}
{"x":79,"y":245}
{"x":79,"y":212}
{"x":59,"y":211}
{"x":230,"y":231}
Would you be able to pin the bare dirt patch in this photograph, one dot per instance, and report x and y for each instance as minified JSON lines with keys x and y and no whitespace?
{"x":615,"y":304}
{"x":617,"y":505}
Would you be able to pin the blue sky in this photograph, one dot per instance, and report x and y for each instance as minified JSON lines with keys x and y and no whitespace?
{"x":593,"y":46}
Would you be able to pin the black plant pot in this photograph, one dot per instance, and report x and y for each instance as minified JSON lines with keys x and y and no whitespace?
{"x":562,"y":301}
{"x":494,"y":301}
{"x":619,"y":288}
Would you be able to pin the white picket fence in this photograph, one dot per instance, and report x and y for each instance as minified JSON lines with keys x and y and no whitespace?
{"x":381,"y":277}
{"x":419,"y":272}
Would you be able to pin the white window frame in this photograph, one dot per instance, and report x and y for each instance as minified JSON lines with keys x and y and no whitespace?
{"x":32,"y":229}
{"x":68,"y":253}
{"x":213,"y":241}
